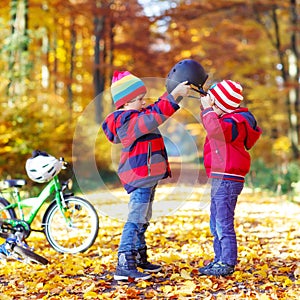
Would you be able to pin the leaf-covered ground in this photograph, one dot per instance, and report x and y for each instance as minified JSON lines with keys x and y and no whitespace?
{"x":268,"y":231}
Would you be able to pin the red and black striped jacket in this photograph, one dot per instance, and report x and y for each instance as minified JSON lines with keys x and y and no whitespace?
{"x":144,"y":160}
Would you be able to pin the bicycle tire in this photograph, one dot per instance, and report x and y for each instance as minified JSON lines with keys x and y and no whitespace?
{"x":6,"y":213}
{"x":29,"y":256}
{"x":80,"y":234}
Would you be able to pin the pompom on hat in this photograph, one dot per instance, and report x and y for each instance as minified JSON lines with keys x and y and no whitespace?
{"x":125,"y":87}
{"x":227,"y":94}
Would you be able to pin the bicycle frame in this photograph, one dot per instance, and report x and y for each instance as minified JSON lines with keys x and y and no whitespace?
{"x":35,"y":203}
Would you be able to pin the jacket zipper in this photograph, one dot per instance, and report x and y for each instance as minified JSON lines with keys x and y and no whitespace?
{"x":217,"y":151}
{"x":149,"y":158}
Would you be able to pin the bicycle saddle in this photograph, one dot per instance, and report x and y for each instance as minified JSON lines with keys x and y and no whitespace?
{"x":15,"y":182}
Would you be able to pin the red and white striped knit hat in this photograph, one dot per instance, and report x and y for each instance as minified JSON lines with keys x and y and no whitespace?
{"x":228,"y":95}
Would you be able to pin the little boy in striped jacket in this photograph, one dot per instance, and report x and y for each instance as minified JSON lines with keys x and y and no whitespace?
{"x":143,"y":163}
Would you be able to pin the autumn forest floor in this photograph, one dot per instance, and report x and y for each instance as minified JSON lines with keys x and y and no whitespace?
{"x":268,"y":232}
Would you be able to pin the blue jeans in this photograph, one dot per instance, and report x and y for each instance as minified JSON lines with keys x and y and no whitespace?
{"x":140,"y":213}
{"x":224,"y":195}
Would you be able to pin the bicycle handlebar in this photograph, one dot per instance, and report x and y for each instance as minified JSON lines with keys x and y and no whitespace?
{"x":65,"y":163}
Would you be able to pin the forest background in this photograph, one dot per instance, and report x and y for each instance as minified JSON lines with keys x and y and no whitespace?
{"x":57,"y":59}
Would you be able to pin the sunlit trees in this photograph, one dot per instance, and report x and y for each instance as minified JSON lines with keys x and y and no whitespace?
{"x":58,"y":56}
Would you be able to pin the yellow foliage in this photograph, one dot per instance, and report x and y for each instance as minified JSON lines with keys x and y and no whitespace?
{"x":282,"y":145}
{"x":186,"y":54}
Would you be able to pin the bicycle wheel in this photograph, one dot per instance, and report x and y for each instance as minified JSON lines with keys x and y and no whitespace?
{"x":6,"y":213}
{"x":28,"y":256}
{"x":76,"y":235}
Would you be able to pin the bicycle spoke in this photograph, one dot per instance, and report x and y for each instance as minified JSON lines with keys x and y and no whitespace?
{"x":78,"y":233}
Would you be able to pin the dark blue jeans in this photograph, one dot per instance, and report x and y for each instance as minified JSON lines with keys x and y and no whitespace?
{"x":224,"y":195}
{"x":140,"y":213}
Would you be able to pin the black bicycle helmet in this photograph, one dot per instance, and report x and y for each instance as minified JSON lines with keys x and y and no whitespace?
{"x":187,"y":70}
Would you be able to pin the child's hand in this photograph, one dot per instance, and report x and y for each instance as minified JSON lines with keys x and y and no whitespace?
{"x":181,"y":90}
{"x":206,"y":101}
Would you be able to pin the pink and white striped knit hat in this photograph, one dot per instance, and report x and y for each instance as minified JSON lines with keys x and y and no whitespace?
{"x":228,"y":95}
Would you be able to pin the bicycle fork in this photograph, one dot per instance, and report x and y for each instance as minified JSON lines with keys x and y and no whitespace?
{"x":63,"y":206}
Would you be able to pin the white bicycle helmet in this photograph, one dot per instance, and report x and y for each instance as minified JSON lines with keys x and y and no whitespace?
{"x":42,"y":167}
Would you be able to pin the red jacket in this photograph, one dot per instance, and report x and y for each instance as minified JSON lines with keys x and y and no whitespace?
{"x":227,"y":143}
{"x":144,"y":159}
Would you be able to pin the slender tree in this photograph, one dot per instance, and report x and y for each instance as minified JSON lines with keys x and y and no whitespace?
{"x":18,"y":65}
{"x":288,"y":58}
{"x":99,"y":22}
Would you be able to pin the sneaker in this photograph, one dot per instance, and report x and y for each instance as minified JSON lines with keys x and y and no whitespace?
{"x":202,"y":270}
{"x":148,"y":267}
{"x":143,"y":263}
{"x":126,"y":268}
{"x":219,"y":269}
{"x":123,"y":274}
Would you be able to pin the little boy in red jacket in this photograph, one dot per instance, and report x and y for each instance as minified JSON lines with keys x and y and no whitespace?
{"x":231,"y":132}
{"x":143,"y":163}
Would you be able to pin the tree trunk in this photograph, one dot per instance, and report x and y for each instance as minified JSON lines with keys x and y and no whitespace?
{"x":294,"y":101}
{"x":72,"y":57}
{"x":289,"y":61}
{"x":18,"y":60}
{"x":98,"y":75}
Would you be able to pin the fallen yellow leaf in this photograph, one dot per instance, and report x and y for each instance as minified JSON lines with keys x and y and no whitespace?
{"x":174,"y":276}
{"x":297,"y":272}
{"x":188,"y":288}
{"x":185,"y":275}
{"x":170,"y":258}
{"x":167,"y":289}
{"x":264,"y":297}
{"x":90,"y":295}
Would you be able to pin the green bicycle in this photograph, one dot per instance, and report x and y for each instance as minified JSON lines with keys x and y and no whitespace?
{"x":69,"y":223}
